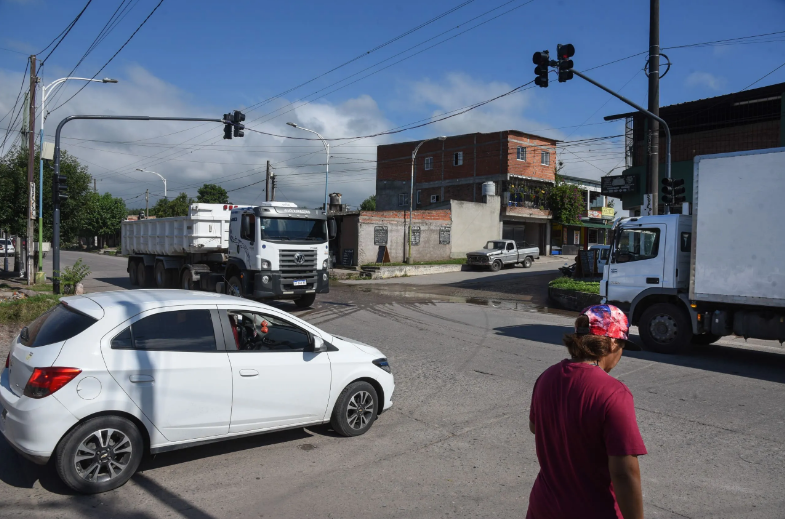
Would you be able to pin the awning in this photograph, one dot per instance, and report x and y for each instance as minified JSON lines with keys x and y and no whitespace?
{"x":589,"y":225}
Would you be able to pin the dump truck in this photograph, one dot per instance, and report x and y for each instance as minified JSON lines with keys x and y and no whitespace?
{"x":692,"y":278}
{"x":272,"y":251}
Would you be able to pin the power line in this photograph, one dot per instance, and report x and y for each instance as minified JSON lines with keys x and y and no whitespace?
{"x":13,"y":121}
{"x":64,"y":33}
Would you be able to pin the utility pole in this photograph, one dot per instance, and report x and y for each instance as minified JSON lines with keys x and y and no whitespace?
{"x":146,"y":202}
{"x":272,"y":182}
{"x":30,"y":174}
{"x":267,"y":183}
{"x":654,"y":102}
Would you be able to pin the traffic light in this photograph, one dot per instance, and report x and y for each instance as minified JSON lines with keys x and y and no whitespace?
{"x":542,"y":60}
{"x":672,"y":191}
{"x":237,"y":119}
{"x":59,"y":188}
{"x":563,"y":55}
{"x":227,"y":126}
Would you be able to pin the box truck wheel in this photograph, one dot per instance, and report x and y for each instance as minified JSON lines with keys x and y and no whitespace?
{"x":235,"y":287}
{"x":164,"y":277}
{"x":187,"y":280}
{"x":133,"y":274}
{"x":144,"y":274}
{"x":665,"y":328}
{"x":305,"y":301}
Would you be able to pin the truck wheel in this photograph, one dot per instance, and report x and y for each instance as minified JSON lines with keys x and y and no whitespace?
{"x":665,"y":328}
{"x":163,"y":276}
{"x":705,"y":339}
{"x":235,"y":287}
{"x":144,"y":274}
{"x":496,"y":266}
{"x":187,"y":281}
{"x":305,"y":301}
{"x":527,"y":263}
{"x":133,"y":274}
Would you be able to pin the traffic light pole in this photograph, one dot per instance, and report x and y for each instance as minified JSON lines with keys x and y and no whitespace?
{"x":56,"y":220}
{"x":649,"y":114}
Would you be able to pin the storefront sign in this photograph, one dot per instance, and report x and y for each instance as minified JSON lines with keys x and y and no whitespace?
{"x":348,"y":257}
{"x":619,"y":184}
{"x":415,"y":235}
{"x":444,"y":235}
{"x":593,"y":213}
{"x":380,"y":235}
{"x":608,"y":212}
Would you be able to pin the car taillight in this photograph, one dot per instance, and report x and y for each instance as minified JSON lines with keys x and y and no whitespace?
{"x":45,"y":381}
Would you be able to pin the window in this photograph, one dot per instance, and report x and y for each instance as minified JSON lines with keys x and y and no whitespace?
{"x":403,"y":199}
{"x":638,"y":245}
{"x":290,"y":229}
{"x":428,"y":163}
{"x":418,"y":197}
{"x":457,"y":159}
{"x":180,"y":330}
{"x":686,"y":241}
{"x":434,"y":199}
{"x":604,"y":253}
{"x":248,"y":227}
{"x":510,"y":246}
{"x":57,"y":325}
{"x":522,"y":153}
{"x":253,"y":331}
{"x":545,"y":158}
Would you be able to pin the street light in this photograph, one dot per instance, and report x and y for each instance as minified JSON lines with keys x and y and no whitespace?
{"x":327,"y":165}
{"x":411,"y":194}
{"x":159,"y":176}
{"x":41,"y":159}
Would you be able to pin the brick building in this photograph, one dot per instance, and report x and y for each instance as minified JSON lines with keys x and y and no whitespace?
{"x":520,"y":165}
{"x":748,"y":120}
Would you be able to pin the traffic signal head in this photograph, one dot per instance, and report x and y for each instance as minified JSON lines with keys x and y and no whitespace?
{"x":227,"y":126}
{"x":673,"y":191}
{"x":237,"y":118}
{"x":563,"y":54}
{"x":59,"y":188}
{"x":542,"y":60}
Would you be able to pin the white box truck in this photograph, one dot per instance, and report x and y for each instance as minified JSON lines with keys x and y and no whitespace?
{"x":273,"y":251}
{"x":691,"y":279}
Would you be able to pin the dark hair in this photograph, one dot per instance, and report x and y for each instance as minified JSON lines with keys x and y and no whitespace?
{"x":585,"y":346}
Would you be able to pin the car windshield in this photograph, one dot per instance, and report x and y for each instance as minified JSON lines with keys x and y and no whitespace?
{"x":291,"y":229}
{"x":495,"y":245}
{"x":57,"y":325}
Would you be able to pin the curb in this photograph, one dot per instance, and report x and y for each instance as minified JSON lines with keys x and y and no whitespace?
{"x":572,"y":300}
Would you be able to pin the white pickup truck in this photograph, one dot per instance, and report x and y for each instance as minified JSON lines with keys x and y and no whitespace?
{"x":273,"y":251}
{"x":498,"y":253}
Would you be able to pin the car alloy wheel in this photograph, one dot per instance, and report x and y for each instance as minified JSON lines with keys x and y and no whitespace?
{"x":359,"y":412}
{"x":103,"y":455}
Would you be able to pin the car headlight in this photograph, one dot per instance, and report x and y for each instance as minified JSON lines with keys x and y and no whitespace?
{"x":383,"y":364}
{"x":265,"y":264}
{"x":324,"y":265}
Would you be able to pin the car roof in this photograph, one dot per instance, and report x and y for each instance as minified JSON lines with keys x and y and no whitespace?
{"x":119,"y":303}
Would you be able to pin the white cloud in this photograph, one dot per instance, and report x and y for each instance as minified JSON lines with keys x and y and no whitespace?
{"x":705,"y":79}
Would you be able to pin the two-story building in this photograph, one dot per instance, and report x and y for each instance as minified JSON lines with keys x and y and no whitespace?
{"x":521,"y":166}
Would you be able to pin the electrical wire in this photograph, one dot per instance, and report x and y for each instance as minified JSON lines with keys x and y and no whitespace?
{"x":64,"y":33}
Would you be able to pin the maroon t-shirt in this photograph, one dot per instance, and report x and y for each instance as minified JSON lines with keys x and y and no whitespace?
{"x":581,"y":416}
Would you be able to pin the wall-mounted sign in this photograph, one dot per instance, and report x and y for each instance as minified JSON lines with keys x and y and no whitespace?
{"x":380,"y":235}
{"x":416,"y":235}
{"x":608,"y":212}
{"x":594,"y":213}
{"x":444,"y":235}
{"x":619,"y":184}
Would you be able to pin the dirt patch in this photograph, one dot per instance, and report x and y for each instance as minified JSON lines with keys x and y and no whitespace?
{"x":7,"y":334}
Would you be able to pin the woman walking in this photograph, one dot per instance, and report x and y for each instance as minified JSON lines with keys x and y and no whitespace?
{"x":585,"y":429}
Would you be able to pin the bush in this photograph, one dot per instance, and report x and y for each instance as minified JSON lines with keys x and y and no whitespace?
{"x":23,"y":311}
{"x":565,"y":283}
{"x":71,"y":276}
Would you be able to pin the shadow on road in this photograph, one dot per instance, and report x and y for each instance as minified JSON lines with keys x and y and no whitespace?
{"x":761,"y":365}
{"x":121,"y":282}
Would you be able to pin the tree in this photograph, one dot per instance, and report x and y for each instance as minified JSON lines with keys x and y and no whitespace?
{"x":566,"y":202}
{"x":178,"y":206}
{"x":13,"y":194}
{"x":103,"y":215}
{"x":212,"y":194}
{"x":369,"y":204}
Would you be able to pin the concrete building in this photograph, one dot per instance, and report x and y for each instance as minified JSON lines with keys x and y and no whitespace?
{"x":520,"y":165}
{"x":595,"y":222}
{"x":749,"y":120}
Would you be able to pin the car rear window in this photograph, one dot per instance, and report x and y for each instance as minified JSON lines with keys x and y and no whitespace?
{"x":57,"y":325}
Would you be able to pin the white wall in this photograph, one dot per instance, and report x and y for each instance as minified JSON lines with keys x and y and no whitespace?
{"x":473,"y":224}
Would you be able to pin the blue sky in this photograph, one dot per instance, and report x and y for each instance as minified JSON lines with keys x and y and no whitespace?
{"x":200,"y":58}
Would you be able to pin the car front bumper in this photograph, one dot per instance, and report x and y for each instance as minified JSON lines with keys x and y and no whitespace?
{"x":278,"y":288}
{"x":33,"y":427}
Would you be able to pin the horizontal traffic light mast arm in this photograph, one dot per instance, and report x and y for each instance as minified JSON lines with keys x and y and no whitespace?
{"x":640,"y":109}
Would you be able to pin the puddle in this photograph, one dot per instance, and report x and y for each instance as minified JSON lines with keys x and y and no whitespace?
{"x":306,"y":447}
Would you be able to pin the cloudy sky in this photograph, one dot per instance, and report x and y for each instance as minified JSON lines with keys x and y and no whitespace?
{"x":352,"y":69}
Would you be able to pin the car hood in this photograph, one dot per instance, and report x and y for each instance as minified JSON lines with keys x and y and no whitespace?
{"x":484,"y":252}
{"x":370,"y":350}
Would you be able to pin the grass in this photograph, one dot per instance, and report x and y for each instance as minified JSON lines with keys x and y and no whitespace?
{"x":23,"y":311}
{"x":455,"y":261}
{"x":565,"y":283}
{"x":44,"y":288}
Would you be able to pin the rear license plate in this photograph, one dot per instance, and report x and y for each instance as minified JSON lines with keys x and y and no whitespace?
{"x":299,"y":282}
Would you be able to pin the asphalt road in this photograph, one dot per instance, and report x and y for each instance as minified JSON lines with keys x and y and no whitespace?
{"x":456,"y":443}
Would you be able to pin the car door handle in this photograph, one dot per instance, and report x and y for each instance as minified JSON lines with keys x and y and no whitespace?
{"x":653,"y":281}
{"x":248,"y":373}
{"x":141,"y":378}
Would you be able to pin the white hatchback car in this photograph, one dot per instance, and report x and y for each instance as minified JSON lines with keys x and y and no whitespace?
{"x":101,"y":379}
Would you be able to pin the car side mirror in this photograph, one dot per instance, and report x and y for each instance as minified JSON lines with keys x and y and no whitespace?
{"x":332,"y":228}
{"x":318,"y":344}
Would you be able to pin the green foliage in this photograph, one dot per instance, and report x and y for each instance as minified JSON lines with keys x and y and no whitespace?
{"x":23,"y":311}
{"x":566,"y":202}
{"x":13,"y":194}
{"x":369,"y":204}
{"x":176,"y":207}
{"x":73,"y":275}
{"x":565,"y":283}
{"x":212,"y":194}
{"x":102,"y":214}
{"x":453,"y":261}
